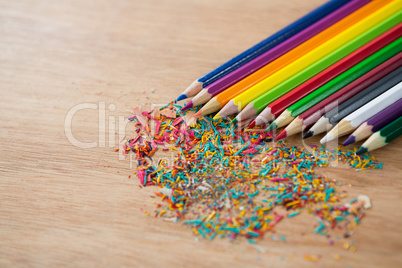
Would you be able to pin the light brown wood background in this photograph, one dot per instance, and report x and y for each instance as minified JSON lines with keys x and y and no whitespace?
{"x":65,"y":206}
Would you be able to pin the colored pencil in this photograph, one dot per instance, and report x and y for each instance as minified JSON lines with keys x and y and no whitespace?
{"x":220,"y":100}
{"x":336,"y":84}
{"x":353,"y":120}
{"x":382,"y":137}
{"x":264,"y":101}
{"x":231,"y":78}
{"x":278,"y":106}
{"x":309,"y":117}
{"x":360,"y":28}
{"x":375,"y":123}
{"x":262,"y":47}
{"x":332,"y":117}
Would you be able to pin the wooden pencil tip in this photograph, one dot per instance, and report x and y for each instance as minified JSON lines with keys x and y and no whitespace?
{"x":259,"y":121}
{"x":229,"y":109}
{"x":252,"y":124}
{"x":182,"y":97}
{"x":234,"y":121}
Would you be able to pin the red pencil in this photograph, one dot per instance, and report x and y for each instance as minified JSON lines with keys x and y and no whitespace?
{"x":311,"y":116}
{"x":277,"y":107}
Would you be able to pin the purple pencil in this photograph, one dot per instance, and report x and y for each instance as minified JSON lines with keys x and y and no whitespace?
{"x":230,"y":79}
{"x":376,"y":122}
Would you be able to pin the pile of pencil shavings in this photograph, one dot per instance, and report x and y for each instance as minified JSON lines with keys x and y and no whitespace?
{"x":229,"y":182}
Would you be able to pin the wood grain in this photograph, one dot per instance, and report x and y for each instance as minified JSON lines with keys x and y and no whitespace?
{"x":66,"y":206}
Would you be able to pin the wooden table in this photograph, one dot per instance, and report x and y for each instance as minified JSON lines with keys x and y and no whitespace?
{"x":62,"y":205}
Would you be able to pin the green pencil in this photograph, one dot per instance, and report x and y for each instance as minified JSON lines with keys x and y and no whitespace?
{"x":382,"y":137}
{"x":337,"y":83}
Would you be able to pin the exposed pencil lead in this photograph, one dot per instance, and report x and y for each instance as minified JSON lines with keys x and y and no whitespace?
{"x":308,"y":134}
{"x":187,"y":106}
{"x":217,"y":117}
{"x":282,"y":135}
{"x":349,"y":140}
{"x":182,"y":97}
{"x":271,"y":127}
{"x":327,"y":138}
{"x":198,"y":114}
{"x":361,"y":150}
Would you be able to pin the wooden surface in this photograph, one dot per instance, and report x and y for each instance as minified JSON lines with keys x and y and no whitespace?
{"x":66,"y":206}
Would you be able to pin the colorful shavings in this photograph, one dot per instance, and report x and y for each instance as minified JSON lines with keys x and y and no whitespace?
{"x":227,"y":182}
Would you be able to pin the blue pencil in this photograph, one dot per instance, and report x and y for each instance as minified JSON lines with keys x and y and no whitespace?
{"x":262,"y":47}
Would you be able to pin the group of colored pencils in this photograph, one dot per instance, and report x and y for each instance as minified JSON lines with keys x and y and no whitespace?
{"x":338,"y":68}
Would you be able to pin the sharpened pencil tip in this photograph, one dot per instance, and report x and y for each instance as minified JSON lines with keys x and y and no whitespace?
{"x":271,"y":127}
{"x":234,"y":121}
{"x":198,"y":114}
{"x":308,"y":134}
{"x":327,"y":138}
{"x":282,"y":135}
{"x":217,"y":117}
{"x":349,"y":140}
{"x":182,"y":97}
{"x":252,"y":124}
{"x":187,"y":106}
{"x":361,"y":150}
